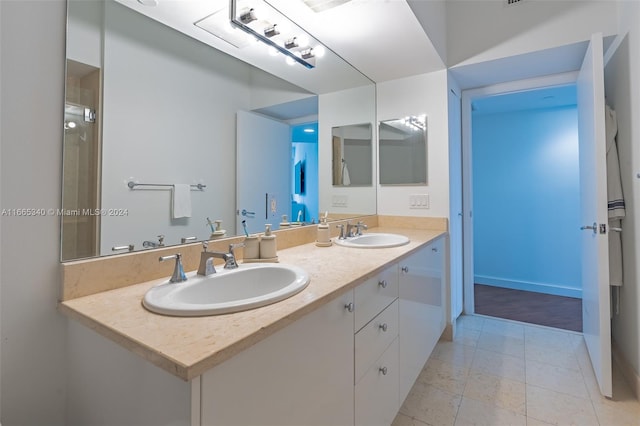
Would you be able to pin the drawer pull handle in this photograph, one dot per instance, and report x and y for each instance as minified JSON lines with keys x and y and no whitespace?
{"x":434,"y":249}
{"x":383,"y":370}
{"x":383,"y":326}
{"x":383,"y":283}
{"x":405,"y":269}
{"x":349,"y":307}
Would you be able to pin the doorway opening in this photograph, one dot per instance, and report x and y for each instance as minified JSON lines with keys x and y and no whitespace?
{"x":525,"y":203}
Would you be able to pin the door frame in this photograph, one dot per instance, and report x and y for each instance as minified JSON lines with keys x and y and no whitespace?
{"x":468,"y":96}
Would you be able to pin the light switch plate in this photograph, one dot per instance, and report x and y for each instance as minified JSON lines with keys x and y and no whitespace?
{"x":419,"y":201}
{"x":339,"y":201}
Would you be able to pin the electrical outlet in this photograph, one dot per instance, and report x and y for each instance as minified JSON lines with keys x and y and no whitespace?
{"x":419,"y":201}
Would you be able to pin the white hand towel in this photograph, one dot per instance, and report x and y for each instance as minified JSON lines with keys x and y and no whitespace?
{"x":181,"y":201}
{"x":346,"y":180}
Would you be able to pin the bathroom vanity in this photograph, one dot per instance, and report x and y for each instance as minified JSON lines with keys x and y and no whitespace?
{"x":344,"y":351}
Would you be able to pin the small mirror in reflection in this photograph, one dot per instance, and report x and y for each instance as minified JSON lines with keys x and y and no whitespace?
{"x":352,"y":155}
{"x":403,"y":151}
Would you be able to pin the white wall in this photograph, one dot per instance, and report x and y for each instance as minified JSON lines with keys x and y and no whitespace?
{"x":33,"y":368}
{"x":84,"y":32}
{"x":623,"y":94}
{"x":352,"y":106}
{"x":481,"y":30}
{"x":526,"y":176}
{"x":422,"y":94}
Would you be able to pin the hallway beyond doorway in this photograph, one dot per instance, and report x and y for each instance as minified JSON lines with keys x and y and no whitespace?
{"x":525,"y":306}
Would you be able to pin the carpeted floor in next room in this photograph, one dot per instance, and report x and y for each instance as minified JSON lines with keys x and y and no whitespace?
{"x":533,"y":308}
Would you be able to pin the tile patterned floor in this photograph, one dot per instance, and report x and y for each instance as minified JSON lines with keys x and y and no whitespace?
{"x":498,"y":372}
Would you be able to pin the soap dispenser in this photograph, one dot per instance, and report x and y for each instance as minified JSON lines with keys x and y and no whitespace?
{"x":268,"y":248}
{"x":323,"y":239}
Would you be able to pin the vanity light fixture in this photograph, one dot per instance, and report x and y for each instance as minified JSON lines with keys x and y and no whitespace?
{"x":262,"y":21}
{"x":307,"y":53}
{"x":248,"y":16}
{"x":292,"y":43}
{"x":271,"y":31}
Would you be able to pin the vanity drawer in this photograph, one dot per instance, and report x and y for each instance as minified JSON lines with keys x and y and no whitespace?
{"x":374,"y":338}
{"x":374,"y":295}
{"x":376,"y":395}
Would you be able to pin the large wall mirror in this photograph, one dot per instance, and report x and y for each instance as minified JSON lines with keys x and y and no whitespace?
{"x":155,"y":104}
{"x":403,"y":151}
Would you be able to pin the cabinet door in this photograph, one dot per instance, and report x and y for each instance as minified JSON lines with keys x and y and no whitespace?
{"x":301,"y":375}
{"x":422,"y":313}
{"x":377,"y":393}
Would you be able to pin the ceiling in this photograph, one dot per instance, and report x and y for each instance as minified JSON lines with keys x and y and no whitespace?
{"x":549,"y":97}
{"x":368,"y":40}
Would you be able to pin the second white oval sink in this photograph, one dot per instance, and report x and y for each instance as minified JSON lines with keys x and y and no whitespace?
{"x":229,"y":290}
{"x":374,"y":240}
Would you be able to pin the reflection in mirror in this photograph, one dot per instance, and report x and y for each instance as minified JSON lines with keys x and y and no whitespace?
{"x":352,"y":153}
{"x":81,"y":161}
{"x":403,"y":151}
{"x":164,"y":107}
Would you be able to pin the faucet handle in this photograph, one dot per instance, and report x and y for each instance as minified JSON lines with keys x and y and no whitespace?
{"x":205,"y":245}
{"x":178,"y":271}
{"x":360,"y":226}
{"x":341,"y":227}
{"x":232,"y":247}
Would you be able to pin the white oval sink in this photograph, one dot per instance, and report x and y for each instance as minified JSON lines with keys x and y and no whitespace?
{"x":373,"y":240}
{"x":229,"y":290}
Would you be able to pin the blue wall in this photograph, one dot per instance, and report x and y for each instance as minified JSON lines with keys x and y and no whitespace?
{"x":305,"y":148}
{"x":526,"y":200}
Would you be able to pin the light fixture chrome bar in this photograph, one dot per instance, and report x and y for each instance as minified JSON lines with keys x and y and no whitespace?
{"x":238,"y":24}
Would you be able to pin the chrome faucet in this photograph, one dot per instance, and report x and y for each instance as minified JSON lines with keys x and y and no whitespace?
{"x":206,"y":266}
{"x":178,"y":271}
{"x":359,"y":227}
{"x":184,"y":240}
{"x":152,"y":244}
{"x":350,"y":229}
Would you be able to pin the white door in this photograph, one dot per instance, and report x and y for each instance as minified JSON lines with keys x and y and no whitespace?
{"x":263,"y":171}
{"x":593,"y":183}
{"x":455,"y":204}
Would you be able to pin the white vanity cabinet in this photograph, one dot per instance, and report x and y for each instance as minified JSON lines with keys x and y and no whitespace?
{"x":422,"y":310}
{"x":376,"y":349}
{"x":351,"y":360}
{"x":301,"y":375}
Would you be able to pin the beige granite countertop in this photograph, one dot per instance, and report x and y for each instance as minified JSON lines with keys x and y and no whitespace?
{"x":187,"y":347}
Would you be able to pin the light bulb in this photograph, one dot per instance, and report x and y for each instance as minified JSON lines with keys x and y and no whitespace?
{"x":319,"y":51}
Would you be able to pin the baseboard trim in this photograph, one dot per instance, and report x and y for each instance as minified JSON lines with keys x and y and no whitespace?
{"x":449,"y":332}
{"x":529,"y":286}
{"x":629,"y":373}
